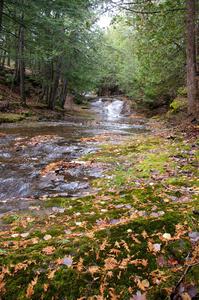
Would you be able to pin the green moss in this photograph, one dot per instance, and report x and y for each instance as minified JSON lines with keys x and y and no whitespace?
{"x":10,"y":117}
{"x":178,"y":104}
{"x":8,"y":219}
{"x":179,"y":249}
{"x":143,"y":175}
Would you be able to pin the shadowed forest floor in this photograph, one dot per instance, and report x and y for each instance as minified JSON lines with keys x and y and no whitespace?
{"x":135,"y":237}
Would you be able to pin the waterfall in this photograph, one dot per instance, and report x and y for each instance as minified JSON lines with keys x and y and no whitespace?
{"x":114,"y":109}
{"x":110,"y":109}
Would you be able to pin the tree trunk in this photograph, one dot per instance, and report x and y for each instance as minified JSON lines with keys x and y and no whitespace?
{"x":1,"y":13}
{"x":22,"y":63}
{"x":191,"y":57}
{"x":64,"y":93}
{"x":3,"y":60}
{"x":55,"y":84}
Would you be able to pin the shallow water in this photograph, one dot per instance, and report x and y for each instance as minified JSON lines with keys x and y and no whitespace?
{"x":28,"y":147}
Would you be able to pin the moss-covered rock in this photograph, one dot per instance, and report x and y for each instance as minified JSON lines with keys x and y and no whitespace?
{"x":11,"y":117}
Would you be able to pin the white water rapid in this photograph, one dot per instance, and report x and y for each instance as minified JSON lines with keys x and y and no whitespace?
{"x":110,"y":109}
{"x":114,"y":109}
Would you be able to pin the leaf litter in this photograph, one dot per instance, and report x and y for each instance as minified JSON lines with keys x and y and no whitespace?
{"x":123,"y":237}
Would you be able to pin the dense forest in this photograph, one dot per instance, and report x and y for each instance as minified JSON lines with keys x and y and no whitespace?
{"x":145,"y":53}
{"x":99,"y":149}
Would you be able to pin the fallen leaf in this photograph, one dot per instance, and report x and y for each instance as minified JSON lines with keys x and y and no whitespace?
{"x":110,"y":263}
{"x":172,"y":261}
{"x":80,"y":265}
{"x":48,"y":250}
{"x":51,"y":274}
{"x":103,"y":245}
{"x":67,"y":261}
{"x":136,"y":262}
{"x":112,"y":294}
{"x":45,"y":287}
{"x":144,"y":234}
{"x":47,"y":237}
{"x":135,"y":239}
{"x":30,"y":289}
{"x":154,"y":248}
{"x":194,"y":236}
{"x":139,"y":296}
{"x":167,"y":236}
{"x":185,"y":296}
{"x":115,"y":251}
{"x":93,"y":269}
{"x":142,"y":284}
{"x":25,"y":234}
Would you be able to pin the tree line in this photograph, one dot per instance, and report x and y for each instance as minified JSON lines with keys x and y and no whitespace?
{"x":53,"y":41}
{"x":150,"y":50}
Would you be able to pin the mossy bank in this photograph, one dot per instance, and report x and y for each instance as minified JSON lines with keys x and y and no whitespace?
{"x":135,"y":236}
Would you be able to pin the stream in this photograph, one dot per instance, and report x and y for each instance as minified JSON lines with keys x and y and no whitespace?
{"x":26,"y":148}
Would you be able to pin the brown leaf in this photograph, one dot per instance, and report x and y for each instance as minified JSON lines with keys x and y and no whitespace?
{"x":80,"y":265}
{"x":135,"y":239}
{"x":48,"y":250}
{"x":103,"y":245}
{"x":185,"y":296}
{"x":21,"y":266}
{"x":2,"y":286}
{"x":172,"y":261}
{"x":110,"y":263}
{"x":139,"y":296}
{"x":142,"y":284}
{"x":112,"y":294}
{"x":144,"y":234}
{"x":30,"y":289}
{"x":125,"y":245}
{"x":51,"y":274}
{"x":93,"y":269}
{"x":45,"y":287}
{"x":66,"y":260}
{"x":110,"y":274}
{"x":124,"y":263}
{"x":154,"y":248}
{"x":136,"y":262}
{"x":115,"y":251}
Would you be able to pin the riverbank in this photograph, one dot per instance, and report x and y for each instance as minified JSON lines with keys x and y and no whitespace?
{"x":136,"y":237}
{"x":12,"y":110}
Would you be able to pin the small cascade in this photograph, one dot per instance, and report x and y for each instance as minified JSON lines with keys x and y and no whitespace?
{"x":114,"y":109}
{"x":109,"y":109}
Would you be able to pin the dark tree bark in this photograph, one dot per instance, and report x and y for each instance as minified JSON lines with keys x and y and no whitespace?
{"x":64,"y":92}
{"x":191,"y":57}
{"x":22,"y":63}
{"x":55,"y":84}
{"x":3,"y":59}
{"x":1,"y":13}
{"x":22,"y":66}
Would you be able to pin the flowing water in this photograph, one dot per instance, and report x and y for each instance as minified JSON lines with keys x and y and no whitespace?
{"x":27,"y":148}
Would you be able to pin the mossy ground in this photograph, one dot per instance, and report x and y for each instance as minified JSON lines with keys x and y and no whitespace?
{"x":11,"y":117}
{"x":102,"y":246}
